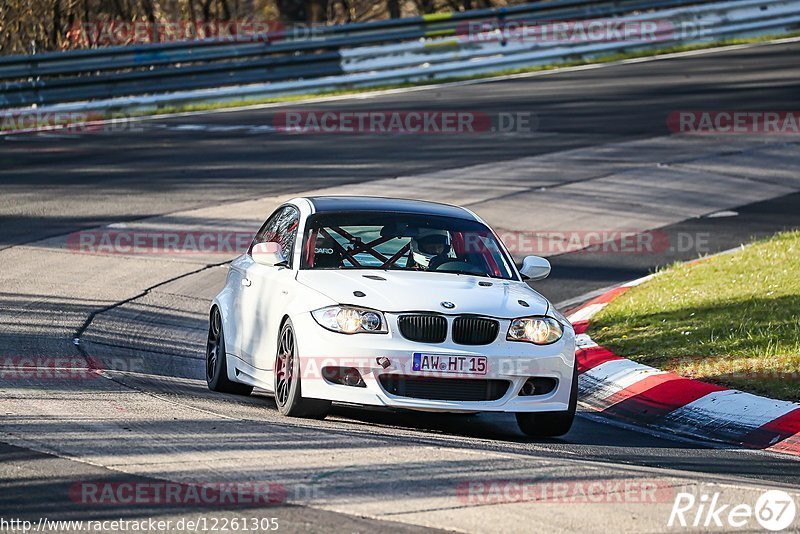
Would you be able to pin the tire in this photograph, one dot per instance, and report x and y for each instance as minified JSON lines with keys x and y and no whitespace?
{"x":551,"y":424}
{"x":288,"y":391}
{"x":216,"y":360}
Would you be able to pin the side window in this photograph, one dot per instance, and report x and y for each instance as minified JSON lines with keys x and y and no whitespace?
{"x":281,"y":227}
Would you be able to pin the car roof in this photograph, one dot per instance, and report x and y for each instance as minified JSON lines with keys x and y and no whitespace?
{"x":382,"y":204}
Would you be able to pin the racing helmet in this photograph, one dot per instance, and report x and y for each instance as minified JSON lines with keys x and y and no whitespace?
{"x":429,"y":244}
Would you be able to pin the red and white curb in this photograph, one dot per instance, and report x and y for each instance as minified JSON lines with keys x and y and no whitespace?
{"x":648,"y":397}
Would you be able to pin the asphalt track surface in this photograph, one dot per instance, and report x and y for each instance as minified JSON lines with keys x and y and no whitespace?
{"x":53,"y":184}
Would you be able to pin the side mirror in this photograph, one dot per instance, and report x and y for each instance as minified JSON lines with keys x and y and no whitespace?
{"x":535,"y":268}
{"x":268,"y":254}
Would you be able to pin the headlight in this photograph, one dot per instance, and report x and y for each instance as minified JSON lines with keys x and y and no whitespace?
{"x":536,"y":330}
{"x":350,"y":320}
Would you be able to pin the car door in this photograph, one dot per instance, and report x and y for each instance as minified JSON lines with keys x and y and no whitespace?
{"x":266,"y":290}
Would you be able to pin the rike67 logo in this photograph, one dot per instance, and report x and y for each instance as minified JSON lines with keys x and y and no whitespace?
{"x":774,"y":510}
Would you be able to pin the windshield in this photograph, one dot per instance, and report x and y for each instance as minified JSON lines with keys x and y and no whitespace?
{"x":401,"y":241}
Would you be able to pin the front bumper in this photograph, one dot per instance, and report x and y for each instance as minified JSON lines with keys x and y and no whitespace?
{"x":509,"y":361}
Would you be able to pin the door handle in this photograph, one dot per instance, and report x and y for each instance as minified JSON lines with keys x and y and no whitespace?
{"x":246,"y":282}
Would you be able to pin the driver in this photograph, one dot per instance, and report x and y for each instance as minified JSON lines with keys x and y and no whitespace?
{"x":431,"y":250}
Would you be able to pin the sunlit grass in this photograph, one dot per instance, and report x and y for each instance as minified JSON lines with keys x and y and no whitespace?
{"x":732,"y":319}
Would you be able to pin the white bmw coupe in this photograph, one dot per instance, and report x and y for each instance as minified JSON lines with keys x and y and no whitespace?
{"x":396,"y":303}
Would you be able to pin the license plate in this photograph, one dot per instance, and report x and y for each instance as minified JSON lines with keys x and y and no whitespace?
{"x":449,"y":363}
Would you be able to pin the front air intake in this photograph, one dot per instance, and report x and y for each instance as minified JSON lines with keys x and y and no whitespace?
{"x":425,"y":328}
{"x":450,"y":389}
{"x":474,"y":330}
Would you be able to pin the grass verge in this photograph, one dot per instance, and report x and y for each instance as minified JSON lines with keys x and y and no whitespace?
{"x":733,"y":319}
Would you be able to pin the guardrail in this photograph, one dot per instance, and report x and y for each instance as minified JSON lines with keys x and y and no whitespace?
{"x":376,"y":53}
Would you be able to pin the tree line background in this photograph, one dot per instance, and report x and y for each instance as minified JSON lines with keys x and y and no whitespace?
{"x":34,"y":26}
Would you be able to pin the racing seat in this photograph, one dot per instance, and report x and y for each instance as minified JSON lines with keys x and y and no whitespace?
{"x":326,"y":256}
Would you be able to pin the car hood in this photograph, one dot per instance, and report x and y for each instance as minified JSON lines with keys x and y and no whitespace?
{"x":398,"y":291}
